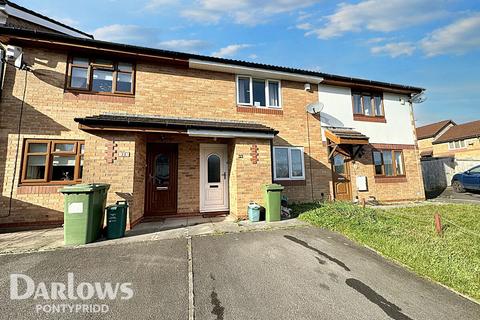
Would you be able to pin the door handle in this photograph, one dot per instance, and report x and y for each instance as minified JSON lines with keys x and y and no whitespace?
{"x":225,"y":175}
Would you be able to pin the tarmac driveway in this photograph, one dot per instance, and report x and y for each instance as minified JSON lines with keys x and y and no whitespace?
{"x":301,"y":273}
{"x":157,"y":270}
{"x":448,"y":195}
{"x":310,"y":273}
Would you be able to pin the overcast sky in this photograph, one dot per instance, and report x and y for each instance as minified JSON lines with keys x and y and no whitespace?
{"x":434,"y":44}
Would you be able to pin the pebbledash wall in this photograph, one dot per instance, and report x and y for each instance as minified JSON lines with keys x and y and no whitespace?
{"x":166,"y":90}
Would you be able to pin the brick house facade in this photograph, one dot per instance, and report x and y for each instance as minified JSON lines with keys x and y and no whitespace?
{"x":447,"y":139}
{"x":179,"y":87}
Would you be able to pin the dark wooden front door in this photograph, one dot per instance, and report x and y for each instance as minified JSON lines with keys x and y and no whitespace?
{"x":341,"y":178}
{"x":161,"y":179}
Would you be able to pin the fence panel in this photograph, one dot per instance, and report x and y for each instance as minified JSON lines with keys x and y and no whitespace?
{"x":438,"y":173}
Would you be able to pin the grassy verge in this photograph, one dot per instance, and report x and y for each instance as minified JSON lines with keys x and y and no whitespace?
{"x":408,"y":235}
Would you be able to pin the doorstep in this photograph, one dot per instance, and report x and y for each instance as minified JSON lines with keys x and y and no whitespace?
{"x":171,"y":228}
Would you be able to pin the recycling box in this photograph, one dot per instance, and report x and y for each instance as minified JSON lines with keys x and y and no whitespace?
{"x":117,"y":220}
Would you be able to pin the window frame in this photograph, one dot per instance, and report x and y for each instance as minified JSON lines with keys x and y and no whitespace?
{"x":372,"y":95}
{"x":266,"y":88}
{"x":290,"y":176}
{"x":394,"y":163}
{"x":49,"y":154}
{"x":462,"y":144}
{"x":93,"y":65}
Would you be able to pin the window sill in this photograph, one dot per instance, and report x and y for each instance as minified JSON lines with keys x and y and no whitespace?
{"x":291,"y":182}
{"x":40,"y":188}
{"x":117,"y":94}
{"x":97,"y":96}
{"x":392,"y":179}
{"x":262,"y":110}
{"x":361,"y":117}
{"x":49,"y":183}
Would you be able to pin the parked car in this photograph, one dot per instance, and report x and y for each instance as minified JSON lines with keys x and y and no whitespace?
{"x":468,"y":180}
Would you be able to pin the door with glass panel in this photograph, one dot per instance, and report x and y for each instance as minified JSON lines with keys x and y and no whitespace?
{"x":213,"y":178}
{"x":341,"y":178}
{"x":161,"y":179}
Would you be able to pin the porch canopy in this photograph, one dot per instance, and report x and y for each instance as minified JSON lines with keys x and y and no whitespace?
{"x":345,"y":141}
{"x":190,"y":126}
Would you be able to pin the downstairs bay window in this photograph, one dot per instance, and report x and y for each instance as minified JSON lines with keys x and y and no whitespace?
{"x":52,"y":162}
{"x":288,"y":163}
{"x":258,"y":92}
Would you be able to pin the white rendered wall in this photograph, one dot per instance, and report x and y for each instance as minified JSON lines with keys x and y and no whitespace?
{"x":338,"y":112}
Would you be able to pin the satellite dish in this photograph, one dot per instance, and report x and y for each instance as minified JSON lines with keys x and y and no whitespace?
{"x":314,"y":107}
{"x":418,"y":98}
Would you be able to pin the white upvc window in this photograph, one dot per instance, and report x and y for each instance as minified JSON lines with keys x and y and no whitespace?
{"x":459,"y":144}
{"x":288,"y":163}
{"x":258,"y":92}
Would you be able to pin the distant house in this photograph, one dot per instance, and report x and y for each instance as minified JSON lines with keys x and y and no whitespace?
{"x":448,"y":139}
{"x":429,"y":133}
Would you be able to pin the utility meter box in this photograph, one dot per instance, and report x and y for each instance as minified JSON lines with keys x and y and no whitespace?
{"x":362,"y":183}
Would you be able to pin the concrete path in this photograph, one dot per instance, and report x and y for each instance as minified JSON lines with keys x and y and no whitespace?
{"x":294,"y":273}
{"x":172,"y":228}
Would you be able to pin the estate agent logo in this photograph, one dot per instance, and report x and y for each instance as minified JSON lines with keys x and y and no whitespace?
{"x":23,"y":287}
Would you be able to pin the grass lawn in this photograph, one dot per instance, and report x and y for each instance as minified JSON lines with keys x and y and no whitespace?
{"x":408,"y":236}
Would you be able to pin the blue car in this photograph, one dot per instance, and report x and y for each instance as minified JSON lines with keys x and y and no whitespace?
{"x":468,"y":180}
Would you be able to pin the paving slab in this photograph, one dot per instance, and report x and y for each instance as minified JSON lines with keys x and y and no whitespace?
{"x":172,"y":228}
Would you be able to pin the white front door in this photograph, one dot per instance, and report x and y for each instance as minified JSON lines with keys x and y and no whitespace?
{"x":213,"y":177}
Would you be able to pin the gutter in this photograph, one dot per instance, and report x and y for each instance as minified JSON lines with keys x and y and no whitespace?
{"x":253,"y":71}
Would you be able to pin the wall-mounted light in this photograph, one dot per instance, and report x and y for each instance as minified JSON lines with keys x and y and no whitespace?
{"x":307,"y":87}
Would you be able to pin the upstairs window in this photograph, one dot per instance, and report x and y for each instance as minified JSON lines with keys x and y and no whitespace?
{"x":258,"y":92}
{"x":459,"y":144}
{"x":389,"y":163}
{"x":100,"y":75}
{"x":367,"y":104}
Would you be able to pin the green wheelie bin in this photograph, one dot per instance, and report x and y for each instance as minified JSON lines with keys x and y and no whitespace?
{"x":117,"y":220}
{"x":272,"y":196}
{"x":84,"y":212}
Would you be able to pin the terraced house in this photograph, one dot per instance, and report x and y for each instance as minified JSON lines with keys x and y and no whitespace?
{"x":184,"y":134}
